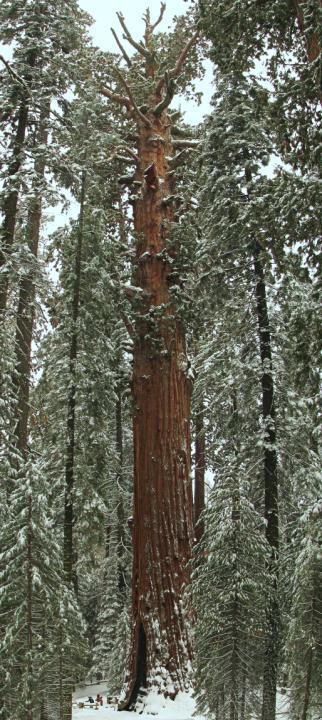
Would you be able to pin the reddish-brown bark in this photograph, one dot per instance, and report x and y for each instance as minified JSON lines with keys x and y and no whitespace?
{"x":12,"y":185}
{"x":162,"y":529}
{"x":26,"y":302}
{"x":312,"y":38}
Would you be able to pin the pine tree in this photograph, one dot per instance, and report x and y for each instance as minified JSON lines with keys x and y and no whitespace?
{"x":43,"y":50}
{"x":34,"y":597}
{"x":304,"y":647}
{"x":228,"y":591}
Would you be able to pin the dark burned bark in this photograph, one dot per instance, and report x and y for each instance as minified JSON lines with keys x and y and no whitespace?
{"x":199,"y":490}
{"x":26,"y":302}
{"x":270,"y":489}
{"x":10,"y":202}
{"x":71,"y":402}
{"x":162,"y":528}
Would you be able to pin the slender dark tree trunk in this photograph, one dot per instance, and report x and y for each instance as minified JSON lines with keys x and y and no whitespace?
{"x":30,"y":597}
{"x":71,"y":403}
{"x":10,"y":202}
{"x":271,"y":489}
{"x":69,"y":549}
{"x":307,"y":691}
{"x":243,"y":696}
{"x":120,"y":492}
{"x":234,"y":689}
{"x":22,"y":377}
{"x":43,"y":710}
{"x":26,"y":302}
{"x":199,"y":489}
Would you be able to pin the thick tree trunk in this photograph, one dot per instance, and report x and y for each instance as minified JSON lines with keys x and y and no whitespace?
{"x":10,"y":201}
{"x":311,"y":36}
{"x":162,"y":530}
{"x":26,"y":307}
{"x":271,"y":489}
{"x":199,"y":489}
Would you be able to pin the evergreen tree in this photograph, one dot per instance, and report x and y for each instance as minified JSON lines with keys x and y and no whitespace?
{"x":228,"y":590}
{"x":304,"y":646}
{"x":34,"y":600}
{"x":46,"y":38}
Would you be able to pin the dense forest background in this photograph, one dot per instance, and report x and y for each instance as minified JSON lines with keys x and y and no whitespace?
{"x":241,"y":220}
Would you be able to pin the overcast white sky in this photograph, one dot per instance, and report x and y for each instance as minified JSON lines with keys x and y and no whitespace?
{"x":104,"y":14}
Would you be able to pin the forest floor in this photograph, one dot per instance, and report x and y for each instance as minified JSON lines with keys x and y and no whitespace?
{"x":182,"y":708}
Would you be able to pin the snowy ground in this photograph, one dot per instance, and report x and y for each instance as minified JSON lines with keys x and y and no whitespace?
{"x":182,"y":708}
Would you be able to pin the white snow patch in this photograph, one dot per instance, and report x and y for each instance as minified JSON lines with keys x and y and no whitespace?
{"x":182,"y":708}
{"x":154,"y":704}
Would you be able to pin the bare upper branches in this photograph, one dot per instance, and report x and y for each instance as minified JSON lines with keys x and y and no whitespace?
{"x":123,"y":51}
{"x":135,"y":108}
{"x":175,"y":71}
{"x":128,"y":102}
{"x":166,"y":100}
{"x":127,"y":36}
{"x":162,"y":10}
{"x":165,"y":87}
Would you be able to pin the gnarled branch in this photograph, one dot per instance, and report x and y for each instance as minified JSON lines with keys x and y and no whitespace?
{"x":116,"y":97}
{"x":123,"y":51}
{"x":127,"y":36}
{"x":166,"y":100}
{"x":130,"y":153}
{"x":126,"y":180}
{"x":135,"y":108}
{"x":180,"y":132}
{"x":175,"y":71}
{"x":180,"y":144}
{"x":163,"y":7}
{"x":185,"y":51}
{"x":179,"y":158}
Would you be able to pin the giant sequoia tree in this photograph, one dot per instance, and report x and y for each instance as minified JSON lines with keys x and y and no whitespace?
{"x":162,"y":522}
